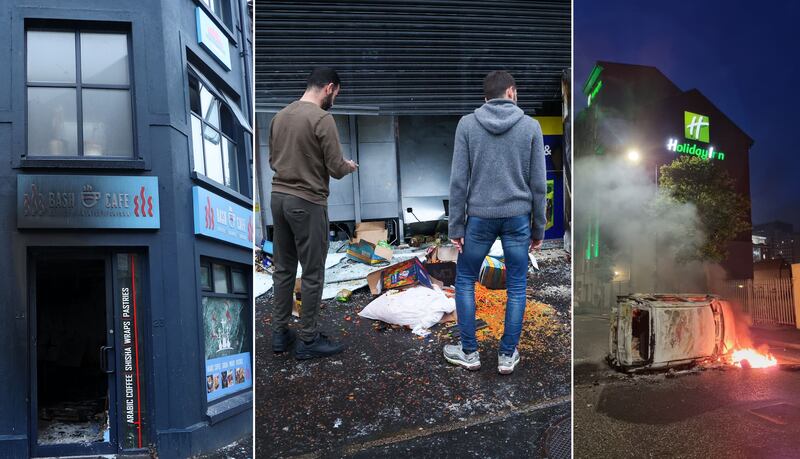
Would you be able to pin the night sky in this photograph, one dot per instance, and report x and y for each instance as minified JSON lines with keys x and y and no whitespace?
{"x":743,"y":56}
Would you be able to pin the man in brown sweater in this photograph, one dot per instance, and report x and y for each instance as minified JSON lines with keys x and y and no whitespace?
{"x":304,"y":152}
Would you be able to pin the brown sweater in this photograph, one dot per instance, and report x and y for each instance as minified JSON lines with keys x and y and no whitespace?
{"x":304,"y":152}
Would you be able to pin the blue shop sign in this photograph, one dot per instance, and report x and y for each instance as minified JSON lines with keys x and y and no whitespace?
{"x":217,"y":217}
{"x":211,"y":37}
{"x":87,"y":201}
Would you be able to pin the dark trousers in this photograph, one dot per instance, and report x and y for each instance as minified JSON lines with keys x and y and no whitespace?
{"x":301,"y":234}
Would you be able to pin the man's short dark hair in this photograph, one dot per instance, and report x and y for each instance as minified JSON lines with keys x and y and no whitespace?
{"x":496,"y":83}
{"x":322,"y":76}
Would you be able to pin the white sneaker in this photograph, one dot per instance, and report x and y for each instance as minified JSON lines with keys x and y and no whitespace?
{"x":455,"y":355}
{"x":506,"y":363}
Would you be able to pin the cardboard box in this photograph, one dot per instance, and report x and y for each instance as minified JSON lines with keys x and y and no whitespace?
{"x":443,"y":271}
{"x":493,"y":274}
{"x":443,"y":254}
{"x":373,"y":232}
{"x":368,"y":252}
{"x":403,"y":274}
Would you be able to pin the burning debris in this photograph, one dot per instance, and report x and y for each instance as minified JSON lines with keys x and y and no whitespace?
{"x":663,"y":331}
{"x":751,"y":358}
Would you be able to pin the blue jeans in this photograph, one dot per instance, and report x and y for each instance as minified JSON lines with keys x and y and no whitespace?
{"x":515,"y":234}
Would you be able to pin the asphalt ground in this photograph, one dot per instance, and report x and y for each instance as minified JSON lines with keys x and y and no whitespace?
{"x":391,"y":392}
{"x":718,"y":411}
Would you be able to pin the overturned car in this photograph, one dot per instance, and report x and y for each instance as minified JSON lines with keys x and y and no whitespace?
{"x":651,"y":331}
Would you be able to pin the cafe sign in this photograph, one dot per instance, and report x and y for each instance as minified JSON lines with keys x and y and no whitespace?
{"x":211,"y":37}
{"x":87,"y":201}
{"x":219,"y":218}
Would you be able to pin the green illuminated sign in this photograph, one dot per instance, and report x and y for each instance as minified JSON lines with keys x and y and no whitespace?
{"x":695,"y":126}
{"x":693,"y":149}
{"x":594,"y":92}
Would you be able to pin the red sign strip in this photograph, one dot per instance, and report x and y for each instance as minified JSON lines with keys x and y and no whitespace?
{"x":136,"y":350}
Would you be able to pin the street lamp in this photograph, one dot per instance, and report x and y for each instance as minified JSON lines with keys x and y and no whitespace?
{"x":633,"y":155}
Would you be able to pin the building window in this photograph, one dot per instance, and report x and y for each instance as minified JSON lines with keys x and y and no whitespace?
{"x":221,"y":9}
{"x":214,"y":129}
{"x":226,"y":326}
{"x":79,"y":94}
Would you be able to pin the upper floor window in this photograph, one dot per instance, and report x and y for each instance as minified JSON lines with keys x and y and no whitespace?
{"x":78,"y":93}
{"x":213,"y":132}
{"x":222,"y":9}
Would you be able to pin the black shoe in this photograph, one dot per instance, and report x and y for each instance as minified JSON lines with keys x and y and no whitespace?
{"x":282,"y":341}
{"x":320,"y":347}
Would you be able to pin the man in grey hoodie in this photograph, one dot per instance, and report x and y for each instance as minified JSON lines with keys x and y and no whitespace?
{"x":497,"y":189}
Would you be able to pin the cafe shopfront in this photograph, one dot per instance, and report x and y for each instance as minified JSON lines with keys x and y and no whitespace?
{"x":126,"y":237}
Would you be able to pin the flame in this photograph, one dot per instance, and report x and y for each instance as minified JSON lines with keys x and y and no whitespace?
{"x":751,"y":358}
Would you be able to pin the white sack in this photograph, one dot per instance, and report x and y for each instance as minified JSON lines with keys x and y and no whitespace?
{"x":417,"y":307}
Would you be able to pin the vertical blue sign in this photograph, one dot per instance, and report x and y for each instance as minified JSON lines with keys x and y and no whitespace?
{"x":219,"y":218}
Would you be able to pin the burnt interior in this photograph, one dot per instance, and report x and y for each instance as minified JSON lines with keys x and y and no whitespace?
{"x":640,"y":333}
{"x":71,"y":330}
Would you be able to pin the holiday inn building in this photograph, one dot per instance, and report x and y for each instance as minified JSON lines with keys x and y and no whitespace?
{"x":125,"y":191}
{"x":636,"y":107}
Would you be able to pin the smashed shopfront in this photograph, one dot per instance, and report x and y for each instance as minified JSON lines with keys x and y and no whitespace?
{"x":126,"y":152}
{"x":408,"y":74}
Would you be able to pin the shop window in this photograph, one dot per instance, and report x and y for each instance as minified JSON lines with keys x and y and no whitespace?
{"x":78,"y":94}
{"x":214,"y":128}
{"x":226,"y":326}
{"x":221,"y":9}
{"x":238,"y":281}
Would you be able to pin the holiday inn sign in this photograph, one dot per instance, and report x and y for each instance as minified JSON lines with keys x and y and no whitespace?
{"x":695,"y":127}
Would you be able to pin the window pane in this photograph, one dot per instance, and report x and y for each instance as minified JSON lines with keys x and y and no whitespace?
{"x":205,"y":277}
{"x":213,"y":155}
{"x":229,"y":160}
{"x":104,"y":58}
{"x":51,"y":57}
{"x":107,"y":125}
{"x":239,"y":285}
{"x":226,"y":327}
{"x":52,"y":122}
{"x":194,"y":96}
{"x":197,"y":145}
{"x":210,"y":106}
{"x":220,"y":279}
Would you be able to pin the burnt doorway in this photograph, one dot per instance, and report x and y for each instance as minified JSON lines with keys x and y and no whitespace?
{"x":73,"y":395}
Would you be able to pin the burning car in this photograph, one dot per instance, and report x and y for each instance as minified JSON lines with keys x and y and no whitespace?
{"x":650,"y":331}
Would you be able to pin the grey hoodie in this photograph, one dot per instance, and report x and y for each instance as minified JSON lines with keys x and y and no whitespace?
{"x":498,"y":168}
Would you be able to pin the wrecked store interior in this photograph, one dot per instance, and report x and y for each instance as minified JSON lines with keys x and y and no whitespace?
{"x":72,"y":382}
{"x":404,"y":165}
{"x":389,"y":295}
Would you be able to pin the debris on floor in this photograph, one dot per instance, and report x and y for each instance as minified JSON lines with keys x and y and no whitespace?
{"x":390,"y":361}
{"x":72,"y":424}
{"x":418,"y":308}
{"x":369,"y":253}
{"x":493,"y":273}
{"x":344,"y":295}
{"x":540,"y":324}
{"x":400,"y":275}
